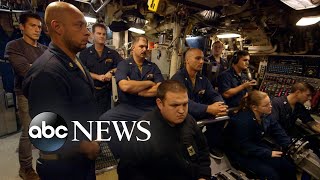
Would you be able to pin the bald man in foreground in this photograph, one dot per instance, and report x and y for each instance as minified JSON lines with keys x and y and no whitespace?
{"x":57,"y":82}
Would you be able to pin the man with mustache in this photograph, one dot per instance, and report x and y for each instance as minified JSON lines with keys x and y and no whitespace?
{"x":57,"y":82}
{"x":101,"y":62}
{"x":22,"y":53}
{"x":138,"y":80}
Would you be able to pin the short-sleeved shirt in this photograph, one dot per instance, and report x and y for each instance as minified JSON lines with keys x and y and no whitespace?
{"x":22,"y":55}
{"x":100,"y":65}
{"x":200,"y":96}
{"x":129,"y":69}
{"x":230,"y":79}
{"x":211,"y":69}
{"x":282,"y":112}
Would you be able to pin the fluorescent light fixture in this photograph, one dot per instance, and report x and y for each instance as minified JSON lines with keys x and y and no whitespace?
{"x":90,"y":19}
{"x":300,"y":4}
{"x":306,"y":21}
{"x":136,"y":30}
{"x":228,"y":35}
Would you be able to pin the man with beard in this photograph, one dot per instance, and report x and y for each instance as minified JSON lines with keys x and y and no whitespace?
{"x":22,"y":53}
{"x":101,"y":62}
{"x":57,"y":82}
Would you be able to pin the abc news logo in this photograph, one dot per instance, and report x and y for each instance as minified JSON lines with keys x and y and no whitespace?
{"x":49,"y":132}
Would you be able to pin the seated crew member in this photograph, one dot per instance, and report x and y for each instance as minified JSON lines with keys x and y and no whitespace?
{"x":215,"y":64}
{"x":138,"y":80}
{"x":204,"y":101}
{"x":246,"y":146}
{"x":287,"y":109}
{"x":101,"y":62}
{"x":57,"y":82}
{"x":233,"y":83}
{"x":176,"y":150}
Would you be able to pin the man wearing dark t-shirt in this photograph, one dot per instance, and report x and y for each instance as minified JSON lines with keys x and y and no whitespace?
{"x":21,"y":54}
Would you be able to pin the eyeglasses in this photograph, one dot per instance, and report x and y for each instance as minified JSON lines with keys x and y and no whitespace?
{"x":267,"y":105}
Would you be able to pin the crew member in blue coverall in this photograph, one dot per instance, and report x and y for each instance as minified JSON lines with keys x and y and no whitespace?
{"x":138,"y":80}
{"x":204,"y":101}
{"x":101,"y":62}
{"x":246,"y":145}
{"x":233,"y":83}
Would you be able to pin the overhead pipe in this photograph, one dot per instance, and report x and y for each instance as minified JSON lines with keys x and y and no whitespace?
{"x":263,"y":49}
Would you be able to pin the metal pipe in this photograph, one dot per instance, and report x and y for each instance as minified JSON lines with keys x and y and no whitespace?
{"x":162,"y":27}
{"x":174,"y":59}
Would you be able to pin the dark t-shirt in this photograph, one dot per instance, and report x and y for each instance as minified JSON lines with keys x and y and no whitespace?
{"x":22,"y":55}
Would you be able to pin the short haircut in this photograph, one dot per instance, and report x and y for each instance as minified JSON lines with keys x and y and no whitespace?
{"x":169,"y":85}
{"x":98,"y":25}
{"x":302,"y":86}
{"x":23,"y":18}
{"x":186,"y":53}
{"x":238,"y":55}
{"x":135,"y":39}
{"x":216,"y":42}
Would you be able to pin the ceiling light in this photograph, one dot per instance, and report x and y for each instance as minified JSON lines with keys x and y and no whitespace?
{"x":306,"y":21}
{"x":136,"y":30}
{"x":228,"y":35}
{"x":300,"y":4}
{"x":90,"y":19}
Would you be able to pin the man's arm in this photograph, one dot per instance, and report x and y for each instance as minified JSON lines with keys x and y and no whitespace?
{"x":233,"y":91}
{"x":98,"y":77}
{"x":18,"y":60}
{"x":134,"y":87}
{"x":150,"y":92}
{"x":306,"y":118}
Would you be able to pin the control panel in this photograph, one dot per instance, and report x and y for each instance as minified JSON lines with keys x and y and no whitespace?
{"x":280,"y":85}
{"x":283,"y":71}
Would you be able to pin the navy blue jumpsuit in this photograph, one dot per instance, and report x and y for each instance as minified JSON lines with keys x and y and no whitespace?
{"x":230,"y":79}
{"x":200,"y":97}
{"x":211,"y":69}
{"x":283,"y":113}
{"x":247,"y":148}
{"x":101,"y":65}
{"x":132,"y":106}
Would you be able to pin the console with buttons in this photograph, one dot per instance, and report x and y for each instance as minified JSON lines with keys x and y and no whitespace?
{"x":283,"y":71}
